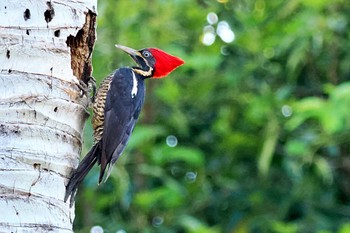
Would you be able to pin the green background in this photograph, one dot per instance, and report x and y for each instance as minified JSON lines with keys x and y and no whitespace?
{"x":262,"y":123}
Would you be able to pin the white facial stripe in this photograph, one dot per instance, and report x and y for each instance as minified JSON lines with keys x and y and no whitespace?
{"x":134,"y":85}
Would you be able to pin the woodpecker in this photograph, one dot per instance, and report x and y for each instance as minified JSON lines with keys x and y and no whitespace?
{"x":116,"y":108}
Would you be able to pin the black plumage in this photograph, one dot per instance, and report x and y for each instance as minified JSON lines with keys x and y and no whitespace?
{"x":121,"y":111}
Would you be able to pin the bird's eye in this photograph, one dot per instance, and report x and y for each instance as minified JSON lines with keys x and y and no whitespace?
{"x":146,"y":53}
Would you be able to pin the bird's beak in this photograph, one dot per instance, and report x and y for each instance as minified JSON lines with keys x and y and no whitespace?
{"x":132,"y":52}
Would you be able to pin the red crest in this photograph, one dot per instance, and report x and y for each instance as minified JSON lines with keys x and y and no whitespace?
{"x":165,"y":63}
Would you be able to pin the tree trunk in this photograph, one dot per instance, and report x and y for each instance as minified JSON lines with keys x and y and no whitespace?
{"x":45,"y":49}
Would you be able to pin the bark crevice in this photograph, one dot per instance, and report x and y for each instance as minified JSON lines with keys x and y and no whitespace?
{"x":81,"y":47}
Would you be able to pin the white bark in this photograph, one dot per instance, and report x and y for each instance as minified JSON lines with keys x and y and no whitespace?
{"x":41,"y":112}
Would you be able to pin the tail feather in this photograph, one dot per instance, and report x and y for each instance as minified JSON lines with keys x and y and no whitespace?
{"x":109,"y":164}
{"x":109,"y":171}
{"x":79,"y":174}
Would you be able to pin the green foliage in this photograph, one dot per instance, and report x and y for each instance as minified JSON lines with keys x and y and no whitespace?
{"x":262,"y":123}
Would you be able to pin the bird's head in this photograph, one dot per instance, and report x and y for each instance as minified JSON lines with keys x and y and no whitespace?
{"x":152,"y":62}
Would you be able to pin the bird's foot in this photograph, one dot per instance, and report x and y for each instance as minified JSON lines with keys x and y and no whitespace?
{"x":86,"y":89}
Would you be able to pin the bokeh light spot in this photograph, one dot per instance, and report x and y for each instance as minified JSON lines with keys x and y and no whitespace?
{"x":96,"y":229}
{"x":259,"y":5}
{"x":224,"y":50}
{"x":209,"y":35}
{"x":191,"y":176}
{"x":120,"y":231}
{"x":225,"y":32}
{"x":212,"y":18}
{"x":171,"y":141}
{"x":286,"y":110}
{"x":157,"y":221}
{"x":269,"y":52}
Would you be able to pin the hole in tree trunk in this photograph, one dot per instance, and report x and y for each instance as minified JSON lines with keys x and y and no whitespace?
{"x":26,"y":14}
{"x":57,"y":33}
{"x":49,"y":13}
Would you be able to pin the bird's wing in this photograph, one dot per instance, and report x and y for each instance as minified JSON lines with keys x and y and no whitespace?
{"x":121,"y":113}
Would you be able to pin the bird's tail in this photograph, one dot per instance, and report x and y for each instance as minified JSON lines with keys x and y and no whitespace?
{"x":79,"y":174}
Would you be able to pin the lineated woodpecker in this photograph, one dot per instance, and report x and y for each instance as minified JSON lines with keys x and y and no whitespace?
{"x":116,"y":107}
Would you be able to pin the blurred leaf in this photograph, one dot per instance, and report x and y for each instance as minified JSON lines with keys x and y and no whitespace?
{"x":345,"y":228}
{"x":318,"y":4}
{"x":144,"y":134}
{"x":193,"y":225}
{"x":297,"y":148}
{"x":280,"y":227}
{"x":298,"y":55}
{"x":165,"y":154}
{"x":304,"y":109}
{"x":271,"y":137}
{"x":324,"y":170}
{"x":163,"y":197}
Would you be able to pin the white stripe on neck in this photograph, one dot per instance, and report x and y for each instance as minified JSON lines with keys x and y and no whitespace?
{"x":134,"y":85}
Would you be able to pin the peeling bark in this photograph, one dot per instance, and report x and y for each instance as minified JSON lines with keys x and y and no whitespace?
{"x":45,"y":49}
{"x":81,"y":47}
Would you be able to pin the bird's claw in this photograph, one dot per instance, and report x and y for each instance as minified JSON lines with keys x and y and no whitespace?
{"x":86,"y":89}
{"x":92,"y":86}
